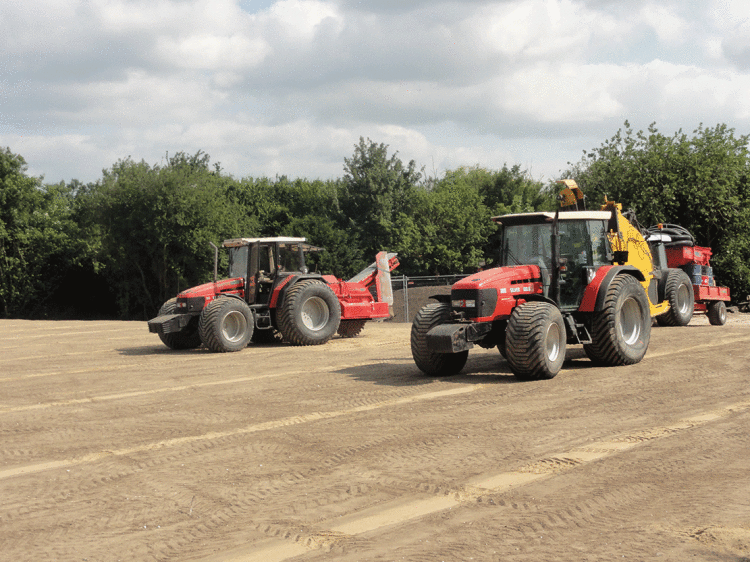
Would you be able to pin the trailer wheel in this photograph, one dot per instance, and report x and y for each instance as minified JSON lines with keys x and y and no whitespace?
{"x":429,"y":362}
{"x":310,"y":313}
{"x":717,"y":313}
{"x":187,"y":338}
{"x":226,"y":324}
{"x":679,"y":293}
{"x":622,"y":329}
{"x":351,"y":328}
{"x":535,"y":341}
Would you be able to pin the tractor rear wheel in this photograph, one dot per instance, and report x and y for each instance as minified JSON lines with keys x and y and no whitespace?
{"x":351,"y":328}
{"x":226,"y":324}
{"x":429,"y":362}
{"x":187,"y":338}
{"x":535,"y":341}
{"x":717,"y":313}
{"x":622,"y":329}
{"x":679,"y":293}
{"x":310,"y":313}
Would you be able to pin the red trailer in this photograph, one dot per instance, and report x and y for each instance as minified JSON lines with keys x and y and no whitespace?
{"x":695,"y":261}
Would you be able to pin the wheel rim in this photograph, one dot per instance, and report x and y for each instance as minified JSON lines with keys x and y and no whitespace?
{"x":234,"y":326}
{"x":552,"y":346}
{"x":315,"y":313}
{"x":683,"y":299}
{"x":630,"y":321}
{"x":722,"y":313}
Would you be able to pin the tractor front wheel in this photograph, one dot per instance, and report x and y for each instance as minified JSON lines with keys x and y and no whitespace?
{"x":622,"y":329}
{"x":717,"y":313}
{"x":310,"y":313}
{"x":187,"y":338}
{"x":535,"y":341}
{"x":226,"y":324}
{"x":429,"y":362}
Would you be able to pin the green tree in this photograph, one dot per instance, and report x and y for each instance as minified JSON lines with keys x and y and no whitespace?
{"x":454,"y":224}
{"x":699,"y":182}
{"x":156,"y":224}
{"x":378,"y":198}
{"x":39,"y":240}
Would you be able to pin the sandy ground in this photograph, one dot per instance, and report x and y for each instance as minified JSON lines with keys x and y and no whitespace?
{"x":113,"y":447}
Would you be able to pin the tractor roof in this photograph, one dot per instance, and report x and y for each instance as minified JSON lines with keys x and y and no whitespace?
{"x":544,"y":217}
{"x":235,"y":242}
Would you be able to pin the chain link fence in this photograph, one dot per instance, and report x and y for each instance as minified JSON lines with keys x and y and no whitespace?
{"x":412,"y":293}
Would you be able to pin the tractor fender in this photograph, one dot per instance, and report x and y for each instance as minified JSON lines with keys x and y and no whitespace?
{"x":441,"y":298}
{"x":538,"y":298}
{"x":277,"y":298}
{"x":596,"y":291}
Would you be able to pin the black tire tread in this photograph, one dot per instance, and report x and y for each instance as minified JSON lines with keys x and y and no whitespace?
{"x":287,"y":324}
{"x":675,"y":278}
{"x":524,"y":341}
{"x":717,"y":313}
{"x":351,"y":328}
{"x":188,"y":338}
{"x":429,"y":362}
{"x":604,"y":349}
{"x":209,"y":329}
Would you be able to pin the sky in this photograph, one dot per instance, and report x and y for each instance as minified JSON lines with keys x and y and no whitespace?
{"x":288,"y":87}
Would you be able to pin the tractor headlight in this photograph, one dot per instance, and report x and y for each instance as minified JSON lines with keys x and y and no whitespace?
{"x":464,"y":303}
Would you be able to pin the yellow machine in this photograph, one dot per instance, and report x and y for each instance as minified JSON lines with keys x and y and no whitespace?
{"x":630,"y":248}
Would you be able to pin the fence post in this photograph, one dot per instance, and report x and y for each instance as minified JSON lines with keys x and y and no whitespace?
{"x":406,"y":297}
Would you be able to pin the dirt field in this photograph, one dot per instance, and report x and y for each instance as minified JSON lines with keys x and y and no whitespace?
{"x":115,"y":448}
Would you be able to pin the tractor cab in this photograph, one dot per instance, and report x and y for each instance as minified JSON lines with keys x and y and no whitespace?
{"x":582,"y":247}
{"x":264,"y":262}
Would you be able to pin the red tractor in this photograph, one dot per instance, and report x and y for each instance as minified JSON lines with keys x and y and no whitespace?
{"x":269,"y":295}
{"x":566,"y":277}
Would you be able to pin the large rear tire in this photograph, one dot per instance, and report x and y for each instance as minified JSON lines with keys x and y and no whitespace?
{"x":622,"y":329}
{"x":187,"y":338}
{"x":226,"y":324}
{"x":535,"y":341}
{"x":429,"y":362}
{"x":310,"y":313}
{"x":717,"y":313}
{"x":679,"y":293}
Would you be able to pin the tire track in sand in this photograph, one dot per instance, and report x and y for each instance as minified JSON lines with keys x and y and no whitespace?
{"x":414,"y":506}
{"x":214,"y":435}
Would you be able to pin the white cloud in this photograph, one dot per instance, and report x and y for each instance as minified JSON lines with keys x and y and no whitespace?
{"x":666,"y":22}
{"x":288,"y":87}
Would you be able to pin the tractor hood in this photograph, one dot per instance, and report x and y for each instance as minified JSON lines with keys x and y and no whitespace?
{"x":490,"y":294}
{"x":500,"y":277}
{"x":211,"y":289}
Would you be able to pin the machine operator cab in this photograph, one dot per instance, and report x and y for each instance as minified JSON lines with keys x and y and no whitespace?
{"x":527,"y":239}
{"x":263,"y":261}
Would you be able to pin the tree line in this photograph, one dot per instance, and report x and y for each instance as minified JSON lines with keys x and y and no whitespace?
{"x":122,"y":245}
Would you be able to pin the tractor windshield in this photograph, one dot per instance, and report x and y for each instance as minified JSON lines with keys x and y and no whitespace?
{"x":289,"y":257}
{"x":527,"y":244}
{"x":582,"y":242}
{"x":238,"y":261}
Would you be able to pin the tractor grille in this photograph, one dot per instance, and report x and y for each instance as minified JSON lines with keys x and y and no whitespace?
{"x":474,"y":303}
{"x":190,"y":304}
